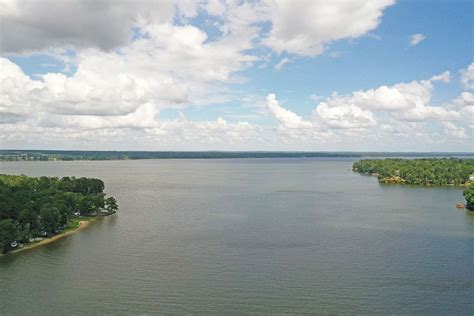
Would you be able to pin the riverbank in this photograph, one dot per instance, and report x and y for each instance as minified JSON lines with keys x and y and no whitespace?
{"x":76,"y":226}
{"x":399,"y":180}
{"x":427,"y":172}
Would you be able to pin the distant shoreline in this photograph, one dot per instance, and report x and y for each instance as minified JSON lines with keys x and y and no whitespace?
{"x":82,"y":224}
{"x":444,"y":186}
{"x":71,"y":155}
{"x":436,"y":172}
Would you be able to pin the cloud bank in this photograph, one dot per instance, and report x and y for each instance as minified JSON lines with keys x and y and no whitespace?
{"x":128,"y":62}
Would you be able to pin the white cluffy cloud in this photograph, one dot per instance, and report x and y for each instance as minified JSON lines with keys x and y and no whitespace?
{"x":467,"y":77}
{"x":139,"y":54}
{"x":379,"y":109}
{"x":416,"y":39}
{"x":40,"y":25}
{"x":143,"y":117}
{"x":174,"y":66}
{"x":286,"y":118}
{"x":454,"y":131}
{"x":306,"y":27}
{"x":343,"y":116}
{"x":18,"y":93}
{"x":303,"y":27}
{"x":406,"y":101}
{"x":132,"y":61}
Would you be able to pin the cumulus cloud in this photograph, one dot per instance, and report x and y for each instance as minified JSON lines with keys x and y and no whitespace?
{"x":115,"y":133}
{"x":467,"y":77}
{"x":401,"y":110}
{"x":121,"y":83}
{"x":416,"y":39}
{"x":218,"y":131}
{"x":171,"y":67}
{"x":307,"y":27}
{"x":408,"y":101}
{"x":131,"y":61}
{"x":464,"y":106}
{"x":286,"y":118}
{"x":465,"y":99}
{"x":454,"y":131}
{"x":143,"y":117}
{"x":39,"y":25}
{"x":303,"y":28}
{"x":343,"y":116}
{"x":424,"y":112}
{"x":18,"y":93}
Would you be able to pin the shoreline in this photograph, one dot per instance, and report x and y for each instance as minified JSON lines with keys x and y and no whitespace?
{"x":82,"y":224}
{"x":455,"y":186}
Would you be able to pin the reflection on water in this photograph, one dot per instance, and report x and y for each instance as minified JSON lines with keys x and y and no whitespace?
{"x":249,"y":236}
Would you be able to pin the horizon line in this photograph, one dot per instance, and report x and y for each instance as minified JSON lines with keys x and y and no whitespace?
{"x":244,"y":151}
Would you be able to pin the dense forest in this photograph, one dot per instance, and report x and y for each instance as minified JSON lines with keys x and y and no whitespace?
{"x":33,"y":208}
{"x":469,"y":195}
{"x":442,"y":171}
{"x":48,"y":155}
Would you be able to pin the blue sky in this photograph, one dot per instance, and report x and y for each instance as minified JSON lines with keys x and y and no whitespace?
{"x":203,"y":76}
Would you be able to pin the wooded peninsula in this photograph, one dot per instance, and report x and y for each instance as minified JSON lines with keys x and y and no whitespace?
{"x":428,"y":171}
{"x":35,"y":208}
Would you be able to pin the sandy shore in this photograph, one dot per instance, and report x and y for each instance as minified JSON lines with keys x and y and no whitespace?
{"x":82,"y":224}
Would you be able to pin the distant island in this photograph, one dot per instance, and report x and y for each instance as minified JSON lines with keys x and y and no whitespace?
{"x":34,"y":210}
{"x":428,"y":172}
{"x":65,"y":155}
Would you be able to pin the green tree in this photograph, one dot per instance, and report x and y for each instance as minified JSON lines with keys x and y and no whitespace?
{"x":28,"y":217}
{"x":469,"y":196}
{"x":111,"y":204}
{"x":32,"y":205}
{"x":8,"y":234}
{"x":440,"y":171}
{"x":49,"y":219}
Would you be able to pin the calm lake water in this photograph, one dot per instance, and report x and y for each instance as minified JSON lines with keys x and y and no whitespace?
{"x":249,"y":236}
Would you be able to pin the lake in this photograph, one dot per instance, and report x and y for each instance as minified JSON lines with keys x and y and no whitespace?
{"x":238,"y":236}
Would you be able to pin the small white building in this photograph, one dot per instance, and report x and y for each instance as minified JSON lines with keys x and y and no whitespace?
{"x":471,"y":177}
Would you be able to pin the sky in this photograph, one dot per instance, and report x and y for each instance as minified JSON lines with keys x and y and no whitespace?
{"x":301,"y":75}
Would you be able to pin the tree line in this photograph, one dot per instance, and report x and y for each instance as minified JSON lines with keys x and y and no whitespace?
{"x":38,"y":207}
{"x":440,"y":171}
{"x":45,"y":155}
{"x":469,"y":195}
{"x":429,"y":171}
